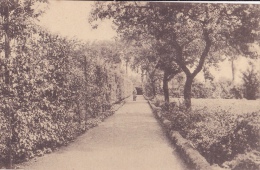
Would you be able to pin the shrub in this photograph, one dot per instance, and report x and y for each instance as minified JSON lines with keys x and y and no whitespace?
{"x":247,"y":161}
{"x":218,"y":135}
{"x":158,"y":101}
{"x":236,"y":92}
{"x":243,"y":137}
{"x":199,"y":90}
{"x":225,"y":89}
{"x":251,"y":83}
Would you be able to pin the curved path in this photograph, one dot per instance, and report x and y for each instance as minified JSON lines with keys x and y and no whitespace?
{"x":131,"y":139}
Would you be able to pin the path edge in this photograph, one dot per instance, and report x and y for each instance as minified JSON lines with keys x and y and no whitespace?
{"x":190,"y":155}
{"x":98,"y":120}
{"x":116,"y":106}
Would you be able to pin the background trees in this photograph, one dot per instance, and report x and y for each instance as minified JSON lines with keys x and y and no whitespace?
{"x":251,"y":83}
{"x":195,"y":32}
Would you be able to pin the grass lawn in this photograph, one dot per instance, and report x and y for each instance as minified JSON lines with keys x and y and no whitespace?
{"x":236,"y":106}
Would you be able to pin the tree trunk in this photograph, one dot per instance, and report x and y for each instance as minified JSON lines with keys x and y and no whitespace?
{"x":85,"y":79}
{"x":166,"y":89}
{"x":187,"y":91}
{"x":7,"y":50}
{"x":153,"y":81}
{"x":233,"y":70}
{"x":7,"y":82}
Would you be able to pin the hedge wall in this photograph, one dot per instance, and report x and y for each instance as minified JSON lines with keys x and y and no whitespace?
{"x":54,"y":85}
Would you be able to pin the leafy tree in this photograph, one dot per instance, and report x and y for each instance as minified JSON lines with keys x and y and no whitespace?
{"x":144,"y":58}
{"x":169,"y":71}
{"x":152,"y":76}
{"x":108,"y":51}
{"x":153,"y":57}
{"x":194,"y":31}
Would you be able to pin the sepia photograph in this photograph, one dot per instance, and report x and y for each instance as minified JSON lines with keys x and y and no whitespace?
{"x":129,"y":85}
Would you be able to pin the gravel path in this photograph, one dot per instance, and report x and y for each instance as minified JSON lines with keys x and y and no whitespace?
{"x":130,"y":139}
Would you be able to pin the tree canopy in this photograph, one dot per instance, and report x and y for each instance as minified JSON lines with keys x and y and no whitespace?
{"x":196,"y":33}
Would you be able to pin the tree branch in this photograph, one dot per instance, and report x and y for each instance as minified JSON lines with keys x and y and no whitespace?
{"x":204,"y":53}
{"x":174,"y":73}
{"x":179,"y":56}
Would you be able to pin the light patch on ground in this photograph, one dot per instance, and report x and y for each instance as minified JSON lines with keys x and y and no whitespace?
{"x":235,"y":106}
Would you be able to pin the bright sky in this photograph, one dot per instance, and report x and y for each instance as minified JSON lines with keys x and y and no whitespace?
{"x":70,"y":18}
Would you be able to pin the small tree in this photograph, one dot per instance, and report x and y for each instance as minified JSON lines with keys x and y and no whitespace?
{"x":251,"y":83}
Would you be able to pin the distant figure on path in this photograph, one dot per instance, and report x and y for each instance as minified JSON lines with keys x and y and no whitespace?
{"x":134,"y":94}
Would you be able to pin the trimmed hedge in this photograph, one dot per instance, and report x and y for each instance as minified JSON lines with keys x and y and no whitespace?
{"x":218,"y":135}
{"x":56,"y":86}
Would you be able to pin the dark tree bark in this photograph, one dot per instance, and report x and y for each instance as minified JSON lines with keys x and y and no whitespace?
{"x":187,"y":91}
{"x":166,"y":88}
{"x":7,"y":46}
{"x":233,"y":70}
{"x":190,"y":76}
{"x":153,"y":80}
{"x":7,"y":82}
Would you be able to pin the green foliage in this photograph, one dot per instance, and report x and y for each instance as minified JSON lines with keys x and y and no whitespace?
{"x":242,"y":137}
{"x":190,"y":34}
{"x":199,"y":90}
{"x":55,"y":86}
{"x":218,"y":135}
{"x":148,"y":90}
{"x":251,"y":83}
{"x":49,"y":85}
{"x":151,"y":87}
{"x":216,"y":89}
{"x":158,"y":102}
{"x":248,"y":161}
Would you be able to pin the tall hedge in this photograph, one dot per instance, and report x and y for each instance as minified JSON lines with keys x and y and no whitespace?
{"x":55,"y":86}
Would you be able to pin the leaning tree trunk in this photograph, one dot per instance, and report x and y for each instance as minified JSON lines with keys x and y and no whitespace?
{"x":166,"y":90}
{"x":187,"y":91}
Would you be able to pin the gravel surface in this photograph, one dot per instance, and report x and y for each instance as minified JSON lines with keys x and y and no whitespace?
{"x":130,"y":139}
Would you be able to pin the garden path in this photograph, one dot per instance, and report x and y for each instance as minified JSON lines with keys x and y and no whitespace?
{"x":131,"y":139}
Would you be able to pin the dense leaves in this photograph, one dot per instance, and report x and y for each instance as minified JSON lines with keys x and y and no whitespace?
{"x":50,"y":87}
{"x":251,"y":83}
{"x":195,"y":33}
{"x":218,"y":135}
